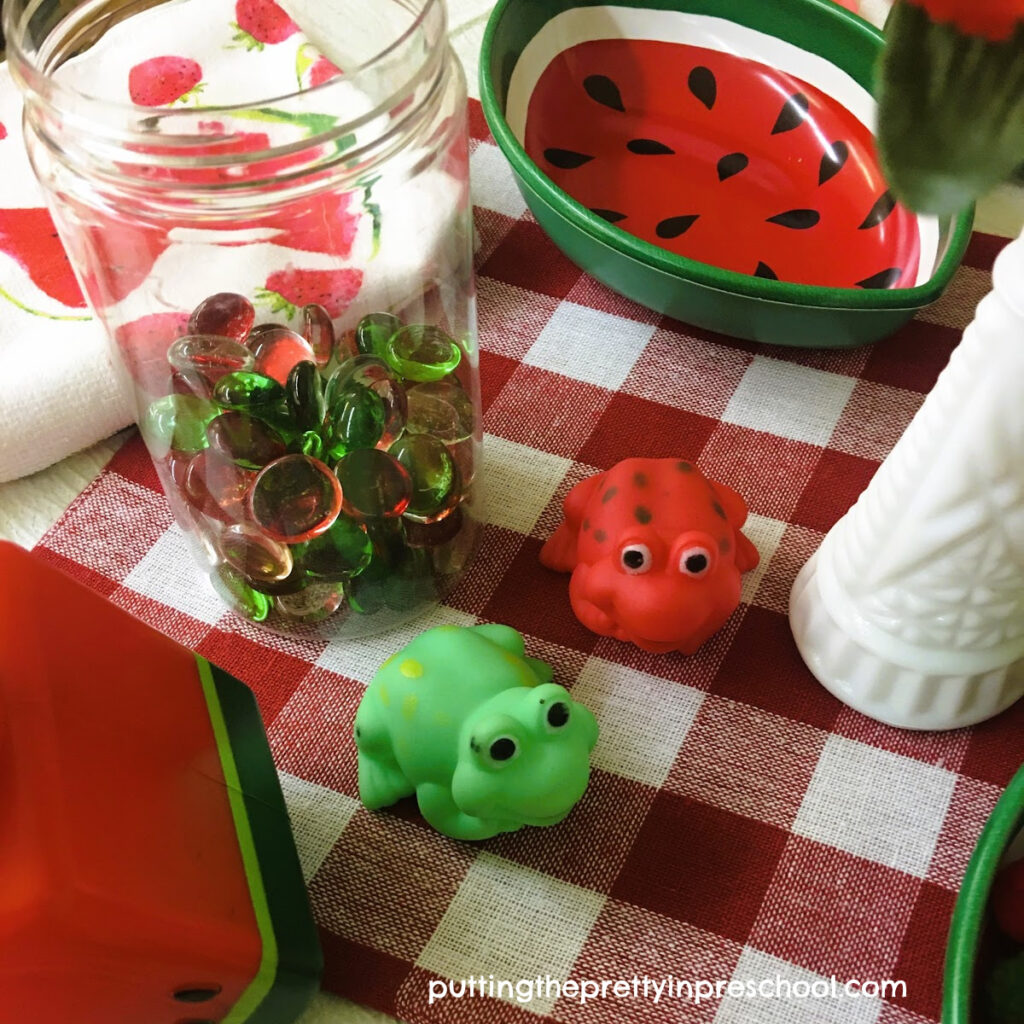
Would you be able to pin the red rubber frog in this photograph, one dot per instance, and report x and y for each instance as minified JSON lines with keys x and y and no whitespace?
{"x":655,"y":552}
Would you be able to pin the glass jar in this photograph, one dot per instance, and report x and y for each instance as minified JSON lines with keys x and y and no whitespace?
{"x":280,"y":250}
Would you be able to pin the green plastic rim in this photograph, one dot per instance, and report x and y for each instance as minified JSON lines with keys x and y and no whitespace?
{"x":965,"y":930}
{"x":823,"y":28}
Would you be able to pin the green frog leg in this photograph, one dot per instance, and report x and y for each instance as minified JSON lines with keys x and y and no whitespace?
{"x":503,"y":636}
{"x":441,"y":812}
{"x":381,"y":780}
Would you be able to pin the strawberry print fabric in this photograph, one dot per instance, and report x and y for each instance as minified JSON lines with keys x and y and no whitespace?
{"x":740,"y":822}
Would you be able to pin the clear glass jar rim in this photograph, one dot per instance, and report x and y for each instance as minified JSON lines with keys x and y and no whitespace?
{"x":40,"y":81}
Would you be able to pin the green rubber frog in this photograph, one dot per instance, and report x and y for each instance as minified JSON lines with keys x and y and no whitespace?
{"x":464,"y":719}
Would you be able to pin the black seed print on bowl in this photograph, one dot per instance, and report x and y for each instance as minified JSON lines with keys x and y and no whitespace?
{"x":799,"y":220}
{"x":612,"y":216}
{"x":884,"y":205}
{"x":567,"y":159}
{"x":883,"y":279}
{"x":702,"y":85}
{"x":763,"y":270}
{"x":832,"y":161}
{"x":673,"y":227}
{"x":604,"y":91}
{"x":792,"y":114}
{"x":730,"y":164}
{"x":649,"y":147}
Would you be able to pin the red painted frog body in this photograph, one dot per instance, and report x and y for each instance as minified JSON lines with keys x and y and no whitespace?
{"x":655,"y":551}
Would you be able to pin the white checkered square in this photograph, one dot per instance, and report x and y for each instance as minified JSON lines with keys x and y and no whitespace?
{"x":518,"y":482}
{"x":167,"y":573}
{"x":876,"y":804}
{"x":360,"y":658}
{"x":588,"y":345}
{"x":644,"y":719}
{"x":511,"y":922}
{"x":792,"y":401}
{"x":765,"y":534}
{"x":760,"y":973}
{"x":491,"y":183}
{"x":318,"y":816}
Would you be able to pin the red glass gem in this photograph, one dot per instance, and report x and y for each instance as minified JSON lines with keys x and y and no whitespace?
{"x":226,"y":313}
{"x":255,"y":555}
{"x":217,"y":487}
{"x":318,"y":330}
{"x":295,"y":498}
{"x":277,"y":349}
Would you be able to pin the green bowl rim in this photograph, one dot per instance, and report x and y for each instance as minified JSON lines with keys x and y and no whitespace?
{"x":1003,"y":823}
{"x":695,"y":271}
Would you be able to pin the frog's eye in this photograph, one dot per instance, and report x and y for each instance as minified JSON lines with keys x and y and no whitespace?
{"x":695,"y":561}
{"x":504,"y":748}
{"x":636,"y":559}
{"x":558,"y":715}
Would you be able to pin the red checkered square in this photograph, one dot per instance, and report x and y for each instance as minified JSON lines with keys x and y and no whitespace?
{"x":594,"y":295}
{"x":179,"y":626}
{"x":605,"y":823}
{"x":983,"y":249}
{"x":747,"y":761}
{"x":111,"y":526}
{"x":495,"y":372}
{"x":771,"y":472}
{"x":969,"y":808}
{"x":898,"y":1015}
{"x":492,"y":229}
{"x":955,"y":307}
{"x":527,"y":259}
{"x":874,"y":419}
{"x":510,"y":319}
{"x":547,"y":411}
{"x":478,"y":129}
{"x":247,"y":658}
{"x":942,"y":749}
{"x":132,"y":461}
{"x":729,"y":864}
{"x":547,"y":614}
{"x":835,"y":484}
{"x":498,"y":548}
{"x":629,"y":941}
{"x":995,"y":751}
{"x":913,"y":357}
{"x":633,"y":427}
{"x":923,"y":951}
{"x":359,"y":895}
{"x":311,"y":736}
{"x":764,"y":669}
{"x":366,"y":975}
{"x":834,"y":913}
{"x":847,"y":361}
{"x":794,"y":549}
{"x":687,"y":372}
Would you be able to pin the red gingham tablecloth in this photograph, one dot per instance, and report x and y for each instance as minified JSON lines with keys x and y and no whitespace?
{"x":740,"y":823}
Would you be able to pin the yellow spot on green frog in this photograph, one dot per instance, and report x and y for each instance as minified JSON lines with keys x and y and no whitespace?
{"x":409,"y":704}
{"x":521,"y":669}
{"x":385,"y":697}
{"x":387,"y":661}
{"x":411,"y":668}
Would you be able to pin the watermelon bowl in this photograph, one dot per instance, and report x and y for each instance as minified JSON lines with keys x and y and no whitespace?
{"x":975,"y":946}
{"x":714,"y":160}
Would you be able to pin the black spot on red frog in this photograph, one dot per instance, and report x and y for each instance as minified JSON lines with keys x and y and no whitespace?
{"x":661,"y":565}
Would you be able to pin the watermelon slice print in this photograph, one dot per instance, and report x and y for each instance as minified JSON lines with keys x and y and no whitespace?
{"x":721,"y":159}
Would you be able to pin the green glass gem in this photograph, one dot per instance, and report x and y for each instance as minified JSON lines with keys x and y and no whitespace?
{"x":305,"y":395}
{"x":422,"y":352}
{"x":373,"y":483}
{"x":310,"y":443}
{"x":246,"y":391}
{"x":178,"y":422}
{"x":235,"y":592}
{"x":343,"y":551}
{"x":433,"y":474}
{"x":374,"y":332}
{"x":442,"y":408}
{"x":355,"y":420}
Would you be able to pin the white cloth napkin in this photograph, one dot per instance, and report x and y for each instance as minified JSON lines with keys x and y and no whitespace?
{"x":59,"y":389}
